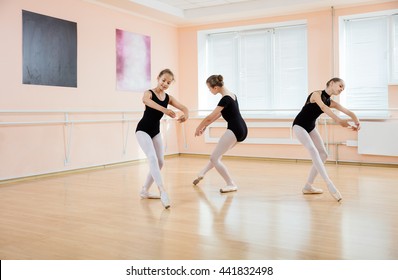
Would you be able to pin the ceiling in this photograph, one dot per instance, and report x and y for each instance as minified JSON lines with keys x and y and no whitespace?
{"x":198,"y":12}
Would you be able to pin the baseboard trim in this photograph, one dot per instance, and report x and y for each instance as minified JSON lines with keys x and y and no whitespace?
{"x":290,"y":160}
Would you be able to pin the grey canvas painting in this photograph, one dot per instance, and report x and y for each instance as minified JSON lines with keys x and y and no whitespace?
{"x":49,"y":50}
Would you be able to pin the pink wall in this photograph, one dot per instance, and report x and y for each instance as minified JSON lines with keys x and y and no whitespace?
{"x":322,"y":64}
{"x":36,"y":149}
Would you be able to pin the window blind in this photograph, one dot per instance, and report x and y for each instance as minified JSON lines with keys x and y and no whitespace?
{"x":266,"y":68}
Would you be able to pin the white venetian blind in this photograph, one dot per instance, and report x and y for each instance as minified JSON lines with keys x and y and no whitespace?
{"x":394,"y":50}
{"x":266,"y":68}
{"x":222,"y":59}
{"x":290,"y":67}
{"x":255,"y":69}
{"x":366,"y":64}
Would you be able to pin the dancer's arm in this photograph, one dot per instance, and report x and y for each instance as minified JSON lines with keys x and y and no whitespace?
{"x":316,"y":97}
{"x":174,"y":102}
{"x":349,"y":113}
{"x":147,"y":100}
{"x":208,"y":120}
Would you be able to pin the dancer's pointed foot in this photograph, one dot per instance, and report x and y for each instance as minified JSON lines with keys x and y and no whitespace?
{"x":164,"y":198}
{"x":197,"y":180}
{"x":335,"y":193}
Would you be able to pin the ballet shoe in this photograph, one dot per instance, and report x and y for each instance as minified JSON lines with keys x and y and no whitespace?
{"x":197,"y":180}
{"x":335,"y":193}
{"x":228,"y":189}
{"x":147,"y":195}
{"x":164,"y":198}
{"x":311,"y":190}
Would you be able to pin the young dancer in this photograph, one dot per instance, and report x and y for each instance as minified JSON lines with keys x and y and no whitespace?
{"x":236,"y":131}
{"x":148,"y":132}
{"x":319,"y":102}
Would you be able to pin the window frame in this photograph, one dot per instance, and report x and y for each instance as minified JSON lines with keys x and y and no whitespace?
{"x":202,"y":69}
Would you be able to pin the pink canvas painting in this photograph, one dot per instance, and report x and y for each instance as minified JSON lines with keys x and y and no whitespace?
{"x":133,"y":61}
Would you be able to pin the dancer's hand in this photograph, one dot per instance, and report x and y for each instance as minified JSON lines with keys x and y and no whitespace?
{"x":170,"y":113}
{"x":199,"y":132}
{"x":182,"y":118}
{"x":356,"y":126}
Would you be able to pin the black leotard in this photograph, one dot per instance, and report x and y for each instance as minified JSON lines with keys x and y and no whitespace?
{"x":150,"y":122}
{"x":310,"y":112}
{"x":233,"y":117}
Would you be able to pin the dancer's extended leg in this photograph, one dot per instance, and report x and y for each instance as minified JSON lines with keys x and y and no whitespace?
{"x":158,"y":145}
{"x":226,"y":142}
{"x":307,"y":140}
{"x":319,"y":145}
{"x":202,"y":173}
{"x":154,"y":151}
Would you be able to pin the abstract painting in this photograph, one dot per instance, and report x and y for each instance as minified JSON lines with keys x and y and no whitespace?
{"x":133,"y":61}
{"x":49,"y":50}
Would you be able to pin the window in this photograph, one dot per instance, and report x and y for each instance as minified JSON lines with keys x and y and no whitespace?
{"x":265,"y":67}
{"x":394,"y":50}
{"x":368,"y":62}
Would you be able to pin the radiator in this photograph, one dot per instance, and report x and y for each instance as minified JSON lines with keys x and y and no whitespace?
{"x":378,"y":138}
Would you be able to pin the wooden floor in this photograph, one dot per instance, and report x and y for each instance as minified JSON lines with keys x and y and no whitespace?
{"x":98,"y":214}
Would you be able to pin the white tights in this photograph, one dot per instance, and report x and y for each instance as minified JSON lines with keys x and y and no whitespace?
{"x":153,"y":149}
{"x":226,"y":142}
{"x":314,"y":144}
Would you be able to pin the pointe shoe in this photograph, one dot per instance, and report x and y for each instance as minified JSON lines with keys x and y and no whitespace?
{"x":311,"y":190}
{"x":197,"y":180}
{"x":228,"y":189}
{"x":164,"y":198}
{"x":335,"y":193}
{"x":147,"y":195}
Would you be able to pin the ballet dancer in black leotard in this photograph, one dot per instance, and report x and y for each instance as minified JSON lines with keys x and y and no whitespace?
{"x":236,"y":131}
{"x":148,"y":132}
{"x":304,"y":127}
